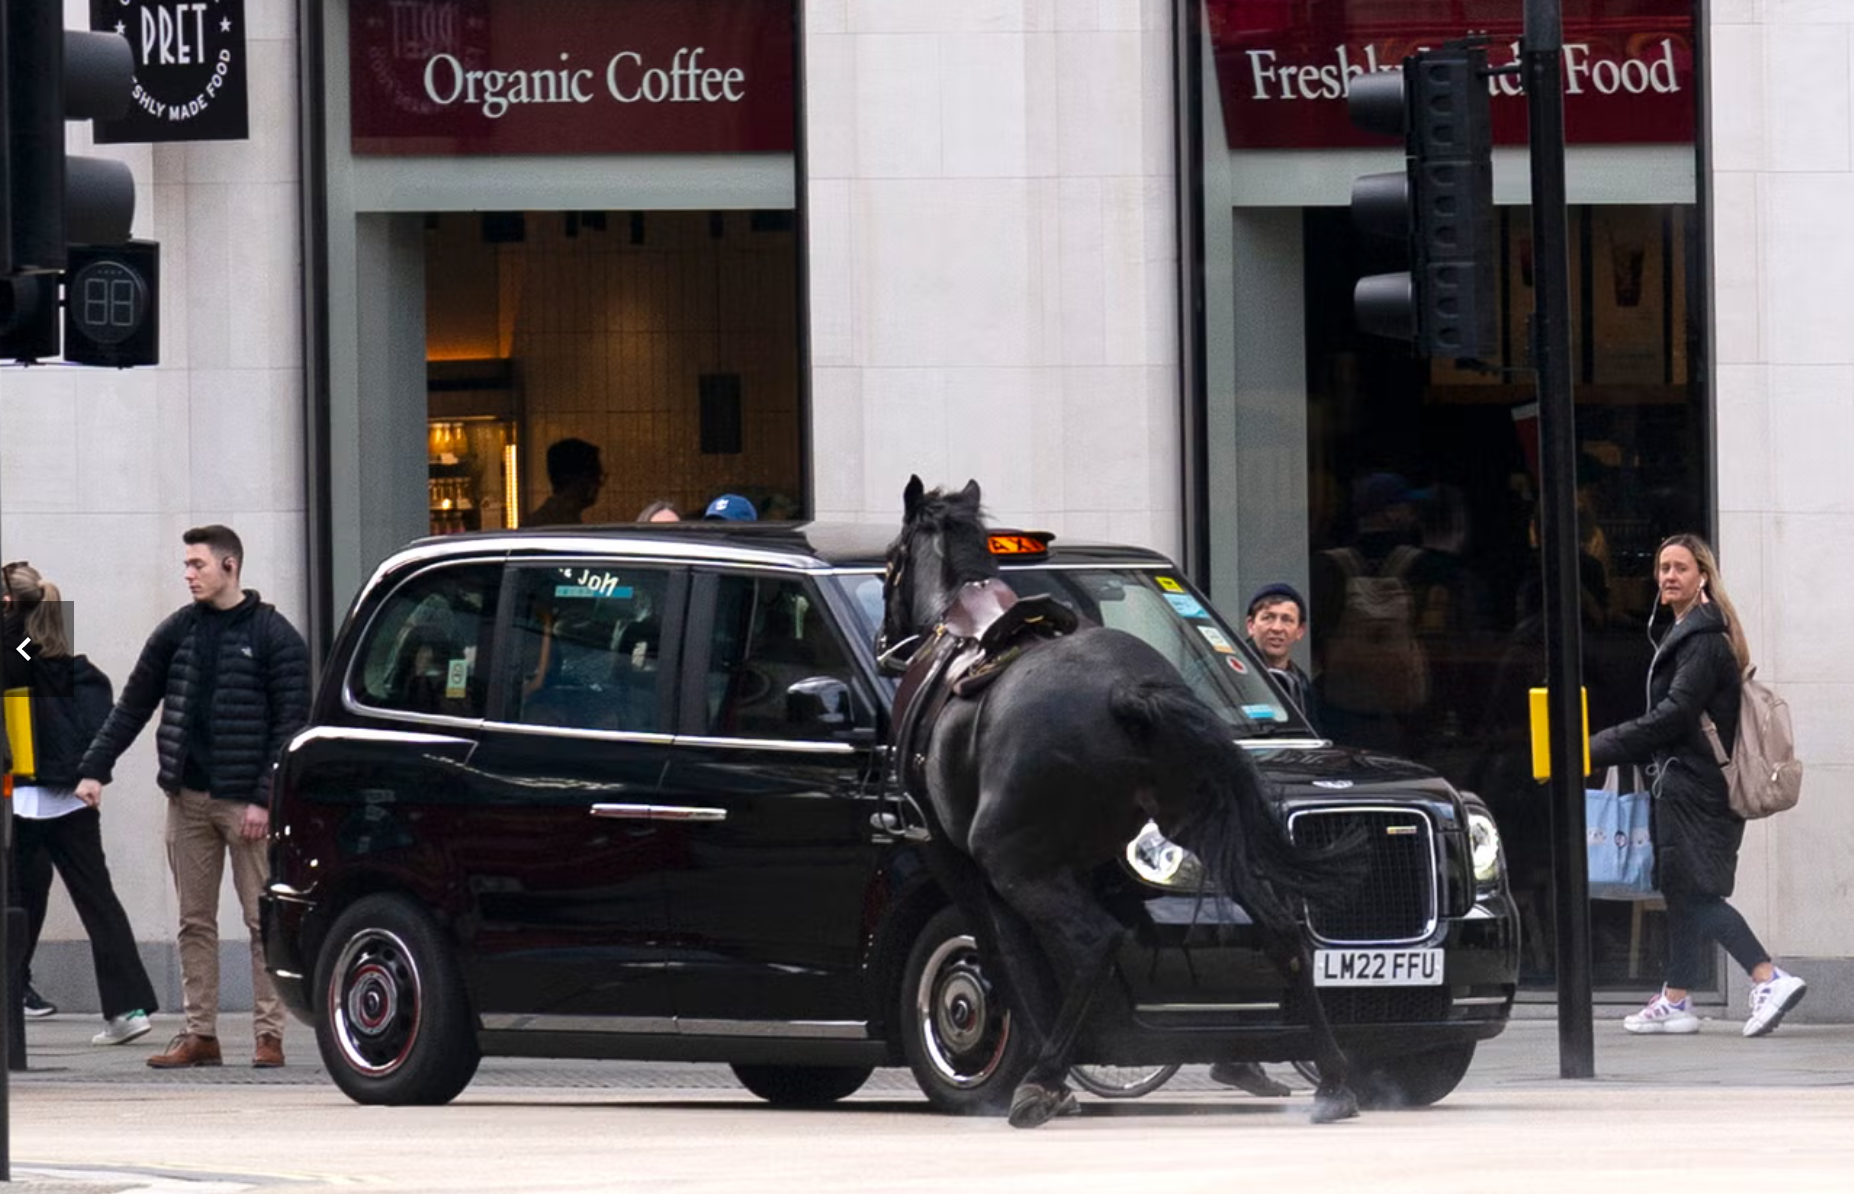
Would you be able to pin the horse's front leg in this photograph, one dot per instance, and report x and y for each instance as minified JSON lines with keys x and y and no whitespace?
{"x":1077,"y":936}
{"x":1333,"y":1098}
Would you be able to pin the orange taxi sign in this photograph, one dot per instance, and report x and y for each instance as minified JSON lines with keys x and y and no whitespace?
{"x":1018,"y":543}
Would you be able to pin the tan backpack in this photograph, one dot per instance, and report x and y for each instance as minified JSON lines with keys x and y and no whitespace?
{"x":1762,"y":773}
{"x":1374,"y":662}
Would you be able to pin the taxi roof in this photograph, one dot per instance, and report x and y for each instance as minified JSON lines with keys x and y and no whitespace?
{"x":802,"y":545}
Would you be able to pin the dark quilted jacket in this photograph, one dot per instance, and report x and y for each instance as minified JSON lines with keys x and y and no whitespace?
{"x":1696,"y":833}
{"x":261,"y":701}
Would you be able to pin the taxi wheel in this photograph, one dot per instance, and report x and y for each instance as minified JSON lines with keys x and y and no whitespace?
{"x":956,"y":1032}
{"x":1410,"y":1079}
{"x":392,"y":1023}
{"x":1122,"y":1081}
{"x":803,"y":1085}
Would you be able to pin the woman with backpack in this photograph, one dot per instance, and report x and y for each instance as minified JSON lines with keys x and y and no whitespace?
{"x":1695,"y":673}
{"x":71,"y":697}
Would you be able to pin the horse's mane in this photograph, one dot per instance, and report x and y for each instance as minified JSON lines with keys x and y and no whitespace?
{"x":959,"y":522}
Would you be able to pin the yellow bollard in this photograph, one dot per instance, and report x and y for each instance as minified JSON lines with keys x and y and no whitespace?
{"x":1541,"y":732}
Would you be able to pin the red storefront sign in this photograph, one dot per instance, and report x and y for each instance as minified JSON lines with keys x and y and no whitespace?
{"x":571,"y":76}
{"x":1283,"y":66}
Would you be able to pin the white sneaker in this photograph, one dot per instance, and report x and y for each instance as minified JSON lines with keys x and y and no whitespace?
{"x":1662,"y":1016}
{"x":120,"y":1030}
{"x":1771,"y":1000}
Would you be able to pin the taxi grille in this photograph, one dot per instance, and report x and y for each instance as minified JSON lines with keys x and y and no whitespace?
{"x":1396,"y":902}
{"x":1365,"y":1005}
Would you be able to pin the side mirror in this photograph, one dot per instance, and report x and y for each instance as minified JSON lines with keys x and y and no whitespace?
{"x":822,"y":704}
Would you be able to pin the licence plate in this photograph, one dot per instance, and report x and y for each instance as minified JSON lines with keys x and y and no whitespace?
{"x":1377,"y":967}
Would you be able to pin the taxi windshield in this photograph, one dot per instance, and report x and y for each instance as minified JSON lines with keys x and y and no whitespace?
{"x":1160,"y":608}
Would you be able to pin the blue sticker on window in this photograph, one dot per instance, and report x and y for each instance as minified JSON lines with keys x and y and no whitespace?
{"x":623,"y":592}
{"x":1186,"y":605}
{"x":1263,"y":713}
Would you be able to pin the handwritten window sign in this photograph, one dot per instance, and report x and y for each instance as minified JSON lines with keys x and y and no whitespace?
{"x":190,"y":69}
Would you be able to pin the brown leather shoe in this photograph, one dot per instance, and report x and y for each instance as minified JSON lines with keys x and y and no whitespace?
{"x":187,"y":1050}
{"x":269,"y":1052}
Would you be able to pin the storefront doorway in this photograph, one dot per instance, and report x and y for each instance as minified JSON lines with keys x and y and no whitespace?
{"x":1442,"y":462}
{"x":660,"y":348}
{"x":1317,"y":438}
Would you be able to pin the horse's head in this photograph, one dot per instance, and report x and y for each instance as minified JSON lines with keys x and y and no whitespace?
{"x":941,"y":546}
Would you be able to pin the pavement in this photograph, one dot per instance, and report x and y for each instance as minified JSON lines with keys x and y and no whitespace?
{"x":1523,"y":1062}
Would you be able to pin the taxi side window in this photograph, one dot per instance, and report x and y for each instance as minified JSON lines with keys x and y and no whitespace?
{"x":424,"y":651}
{"x":771,"y":663}
{"x":585,"y":647}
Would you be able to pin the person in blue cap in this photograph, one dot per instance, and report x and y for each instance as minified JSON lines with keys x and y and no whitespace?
{"x":730,"y":507}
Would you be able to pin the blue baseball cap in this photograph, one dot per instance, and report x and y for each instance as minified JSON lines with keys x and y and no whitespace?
{"x":731,"y":507}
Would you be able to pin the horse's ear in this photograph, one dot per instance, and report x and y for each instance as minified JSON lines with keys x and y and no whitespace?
{"x":911,"y":497}
{"x":971,"y":492}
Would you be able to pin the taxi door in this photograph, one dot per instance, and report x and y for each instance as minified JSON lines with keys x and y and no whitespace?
{"x":775,"y":764}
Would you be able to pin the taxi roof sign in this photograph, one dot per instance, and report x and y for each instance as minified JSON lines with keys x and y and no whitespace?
{"x":1018,"y":543}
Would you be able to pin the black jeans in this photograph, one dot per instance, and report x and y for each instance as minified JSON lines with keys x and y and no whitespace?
{"x":73,"y":844}
{"x":1693,"y":923}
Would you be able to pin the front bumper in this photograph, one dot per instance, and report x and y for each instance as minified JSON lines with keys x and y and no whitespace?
{"x":1207,"y":992}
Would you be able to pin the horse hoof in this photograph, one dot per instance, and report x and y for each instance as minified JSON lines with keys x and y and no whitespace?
{"x":1331,"y":1106}
{"x":1033,"y":1106}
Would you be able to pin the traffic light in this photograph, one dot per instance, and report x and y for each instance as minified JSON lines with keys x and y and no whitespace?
{"x":111,"y":316}
{"x":53,"y":75}
{"x":1440,"y":205}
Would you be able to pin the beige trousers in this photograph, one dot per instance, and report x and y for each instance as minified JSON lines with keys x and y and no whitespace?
{"x":200,"y":832}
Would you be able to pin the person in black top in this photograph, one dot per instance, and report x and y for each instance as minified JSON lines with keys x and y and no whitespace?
{"x":232,"y":678}
{"x":70,"y":698}
{"x":1697,"y":671}
{"x":1277,"y":619}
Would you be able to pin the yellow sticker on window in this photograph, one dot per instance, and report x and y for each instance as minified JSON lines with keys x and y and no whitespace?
{"x":1168,"y":584}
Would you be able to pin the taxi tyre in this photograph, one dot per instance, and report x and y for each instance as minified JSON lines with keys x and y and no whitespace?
{"x":802,"y":1085}
{"x":1410,"y":1079}
{"x":392,"y":1023}
{"x":956,"y":1034}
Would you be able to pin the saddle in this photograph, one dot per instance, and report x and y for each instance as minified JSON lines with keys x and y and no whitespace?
{"x":985,"y":630}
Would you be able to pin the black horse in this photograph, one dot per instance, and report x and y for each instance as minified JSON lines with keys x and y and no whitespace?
{"x":1034,"y":782}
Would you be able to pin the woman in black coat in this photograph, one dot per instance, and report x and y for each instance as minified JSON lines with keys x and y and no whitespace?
{"x":52,"y":828}
{"x":1697,"y":668}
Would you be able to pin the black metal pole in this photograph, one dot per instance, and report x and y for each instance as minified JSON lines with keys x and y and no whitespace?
{"x":1542,"y":58}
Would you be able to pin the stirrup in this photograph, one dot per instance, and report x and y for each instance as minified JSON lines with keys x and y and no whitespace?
{"x":905,"y":820}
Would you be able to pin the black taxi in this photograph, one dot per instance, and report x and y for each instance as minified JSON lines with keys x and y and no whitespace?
{"x":623,"y":792}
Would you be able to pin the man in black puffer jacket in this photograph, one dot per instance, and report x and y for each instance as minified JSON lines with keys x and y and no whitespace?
{"x":232,"y":677}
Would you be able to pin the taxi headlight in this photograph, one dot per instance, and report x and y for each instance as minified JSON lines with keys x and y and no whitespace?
{"x":1484,"y":845}
{"x":1162,"y":862}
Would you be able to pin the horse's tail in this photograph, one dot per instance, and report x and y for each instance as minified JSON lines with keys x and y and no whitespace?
{"x":1219,"y":806}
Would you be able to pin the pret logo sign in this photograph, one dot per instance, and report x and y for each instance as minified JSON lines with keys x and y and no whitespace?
{"x":1284,"y":69}
{"x":190,"y":69}
{"x":571,"y":76}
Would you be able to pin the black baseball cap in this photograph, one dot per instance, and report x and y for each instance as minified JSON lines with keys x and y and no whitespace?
{"x":1279,"y":591}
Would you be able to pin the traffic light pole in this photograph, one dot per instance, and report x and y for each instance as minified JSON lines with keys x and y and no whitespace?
{"x":1542,"y":62}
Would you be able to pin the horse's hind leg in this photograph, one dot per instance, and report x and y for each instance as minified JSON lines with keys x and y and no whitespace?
{"x":1333,"y":1100}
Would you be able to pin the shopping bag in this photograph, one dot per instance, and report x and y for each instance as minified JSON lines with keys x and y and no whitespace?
{"x":1620,"y":846}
